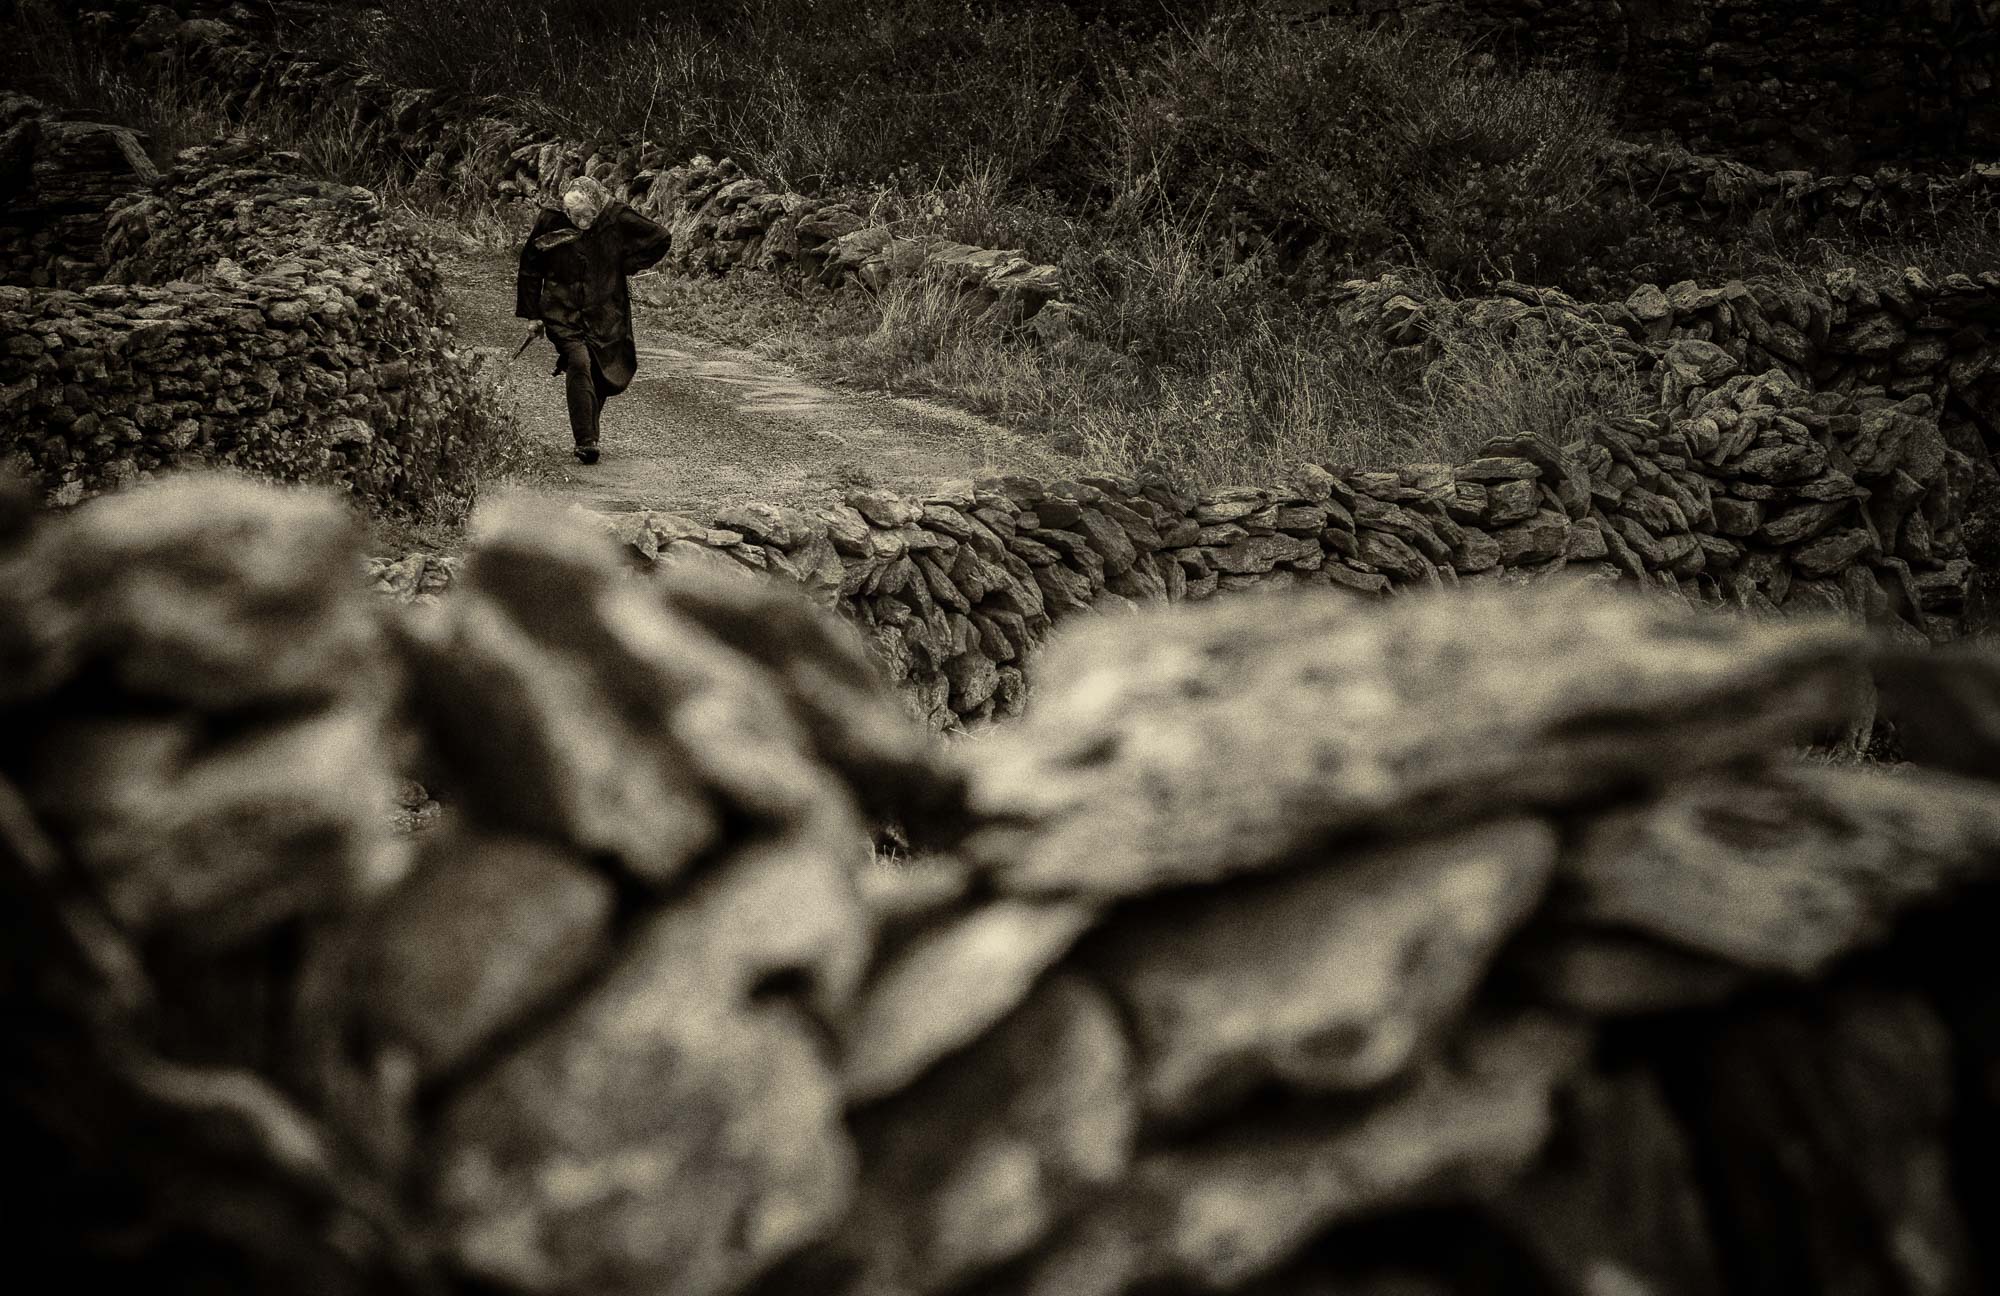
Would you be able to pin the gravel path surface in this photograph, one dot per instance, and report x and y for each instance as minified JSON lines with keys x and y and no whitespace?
{"x":705,"y":425}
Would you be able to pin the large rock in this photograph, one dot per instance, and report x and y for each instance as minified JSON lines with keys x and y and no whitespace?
{"x":207,"y":591}
{"x":207,"y":839}
{"x":951,"y":982}
{"x":835,"y":691}
{"x":1194,"y":743}
{"x":1790,"y":868}
{"x":1218,"y":1210}
{"x":977,"y":1163}
{"x":669,"y":1134}
{"x":228,"y":777}
{"x":1326,"y":979}
{"x":485,"y":931}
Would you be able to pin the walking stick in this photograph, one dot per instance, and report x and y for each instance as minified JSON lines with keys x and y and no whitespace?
{"x":526,"y":342}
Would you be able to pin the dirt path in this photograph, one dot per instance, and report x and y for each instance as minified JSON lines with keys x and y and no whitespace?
{"x":705,"y":425}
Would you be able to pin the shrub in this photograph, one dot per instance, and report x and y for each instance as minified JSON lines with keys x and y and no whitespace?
{"x":1327,"y":141}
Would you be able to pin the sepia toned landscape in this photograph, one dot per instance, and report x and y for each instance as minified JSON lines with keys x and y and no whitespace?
{"x":1342,"y":647}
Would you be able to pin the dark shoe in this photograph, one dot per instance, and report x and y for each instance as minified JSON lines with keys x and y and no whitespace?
{"x":588,"y":454}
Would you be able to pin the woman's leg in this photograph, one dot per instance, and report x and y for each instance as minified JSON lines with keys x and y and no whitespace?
{"x":581,"y":393}
{"x":603,"y":390}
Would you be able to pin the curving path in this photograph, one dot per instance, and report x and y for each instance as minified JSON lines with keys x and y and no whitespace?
{"x":706,"y":425}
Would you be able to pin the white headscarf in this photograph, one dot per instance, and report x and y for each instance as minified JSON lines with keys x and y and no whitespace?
{"x":584,"y":199}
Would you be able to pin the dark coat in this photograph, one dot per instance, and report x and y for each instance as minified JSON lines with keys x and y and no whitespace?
{"x":573,"y":280}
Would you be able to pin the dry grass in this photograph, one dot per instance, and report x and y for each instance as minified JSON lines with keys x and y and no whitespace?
{"x":1965,"y":237}
{"x":1274,"y":400}
{"x":749,"y":311}
{"x":922,"y":335}
{"x":1207,"y":378}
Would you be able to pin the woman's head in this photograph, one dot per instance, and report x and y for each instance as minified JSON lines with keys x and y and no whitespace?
{"x":583,"y":199}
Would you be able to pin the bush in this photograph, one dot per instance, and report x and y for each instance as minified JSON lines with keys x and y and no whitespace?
{"x":1323,"y":141}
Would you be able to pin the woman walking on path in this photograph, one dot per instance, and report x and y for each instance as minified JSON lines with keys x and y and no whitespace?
{"x":572,"y":280}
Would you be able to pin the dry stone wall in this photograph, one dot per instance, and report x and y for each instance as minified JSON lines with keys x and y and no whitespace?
{"x":1723,"y":196}
{"x":58,"y":181}
{"x":1455,"y":944}
{"x":1814,"y":449}
{"x":1872,"y":337}
{"x":247,"y":317}
{"x":1821,"y":448}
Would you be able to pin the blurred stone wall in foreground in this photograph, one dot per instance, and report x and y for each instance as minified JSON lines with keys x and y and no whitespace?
{"x":1476,"y":941}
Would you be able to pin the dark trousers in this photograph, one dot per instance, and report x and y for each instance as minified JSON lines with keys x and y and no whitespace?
{"x":585,"y":390}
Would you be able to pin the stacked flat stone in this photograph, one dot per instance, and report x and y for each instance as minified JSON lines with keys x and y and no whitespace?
{"x":1405,"y":318}
{"x":1810,"y":450}
{"x":1904,"y":333}
{"x":1744,"y":492}
{"x":1290,"y":944}
{"x":1721,"y":195}
{"x":1854,"y":344}
{"x":1802,"y":490}
{"x":239,"y":200}
{"x":61,"y":179}
{"x":249,"y":318}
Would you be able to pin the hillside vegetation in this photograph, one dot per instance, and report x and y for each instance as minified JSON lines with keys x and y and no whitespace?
{"x":1205,"y":173}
